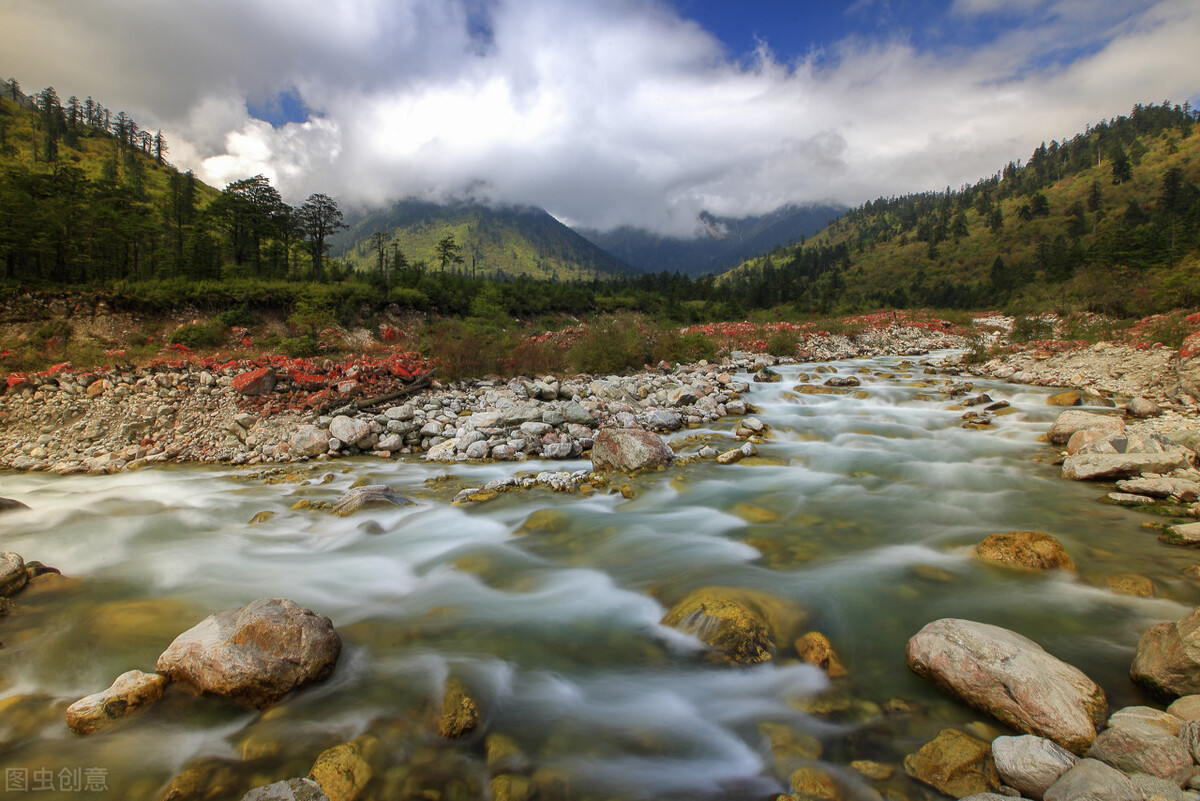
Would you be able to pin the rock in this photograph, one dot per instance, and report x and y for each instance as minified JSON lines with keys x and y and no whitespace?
{"x":1035,"y":550}
{"x":459,"y":714}
{"x":576,"y":413}
{"x":1030,"y":764}
{"x":443,"y":452}
{"x":1142,"y":408}
{"x":815,"y":649}
{"x":1185,"y":708}
{"x":9,"y":505}
{"x":343,"y":772}
{"x":1188,"y":367}
{"x":1070,"y":422}
{"x":1181,"y":489}
{"x":954,"y":763}
{"x":1083,"y":466}
{"x":1156,"y":789}
{"x":309,"y":441}
{"x":290,"y":790}
{"x":255,"y":654}
{"x":843,"y":381}
{"x":1189,"y":736}
{"x":1185,"y":534}
{"x":131,"y":691}
{"x":255,"y":382}
{"x":204,"y":780}
{"x":1130,"y":584}
{"x":1065,"y":399}
{"x":12,"y":573}
{"x":629,"y":449}
{"x":1141,"y":749}
{"x":1010,"y":677}
{"x":741,"y":626}
{"x":664,"y":420}
{"x":349,"y":430}
{"x":1167,"y":660}
{"x":767,"y":376}
{"x":813,"y":783}
{"x":1092,"y":780}
{"x":366,"y":496}
{"x":1145,"y":716}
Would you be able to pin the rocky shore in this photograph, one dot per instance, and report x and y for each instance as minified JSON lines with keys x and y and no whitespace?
{"x":69,"y":422}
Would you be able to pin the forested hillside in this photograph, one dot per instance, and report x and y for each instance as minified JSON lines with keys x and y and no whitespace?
{"x":490,"y":242}
{"x":1108,"y":220}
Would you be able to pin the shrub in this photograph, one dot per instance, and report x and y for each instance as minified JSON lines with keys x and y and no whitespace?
{"x":199,"y":335}
{"x":1029,"y":329}
{"x":611,"y":345}
{"x":303,"y":346}
{"x":782,"y":342}
{"x":239,"y":317}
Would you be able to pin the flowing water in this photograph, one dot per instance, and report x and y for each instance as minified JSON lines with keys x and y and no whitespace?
{"x":861,"y":508}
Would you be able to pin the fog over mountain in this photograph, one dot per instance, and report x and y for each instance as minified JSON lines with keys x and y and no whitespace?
{"x":604,"y":112}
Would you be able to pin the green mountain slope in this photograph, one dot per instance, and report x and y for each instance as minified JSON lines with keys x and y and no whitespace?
{"x":1106,"y":221}
{"x":494,"y":242}
{"x":87,"y":197}
{"x":725,"y":243}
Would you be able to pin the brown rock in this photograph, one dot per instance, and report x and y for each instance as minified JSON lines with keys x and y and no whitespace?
{"x":256,"y":654}
{"x":1141,"y":749}
{"x":12,"y":573}
{"x":1035,"y":550}
{"x":815,"y":649}
{"x":131,"y":691}
{"x":1167,"y":660}
{"x":459,"y":714}
{"x":1130,"y":584}
{"x":954,"y":763}
{"x":813,"y":784}
{"x":1010,"y":677}
{"x":1065,"y":399}
{"x":9,"y":505}
{"x":629,"y":449}
{"x":742,"y":626}
{"x":1188,"y":366}
{"x":344,"y":771}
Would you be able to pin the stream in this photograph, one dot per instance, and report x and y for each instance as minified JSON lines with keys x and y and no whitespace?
{"x":861,"y":508}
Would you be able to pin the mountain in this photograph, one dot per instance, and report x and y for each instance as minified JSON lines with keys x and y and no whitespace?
{"x":1107,"y":221}
{"x":494,"y":241}
{"x":724,"y":242}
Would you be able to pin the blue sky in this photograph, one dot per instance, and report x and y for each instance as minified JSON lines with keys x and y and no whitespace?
{"x":608,"y":112}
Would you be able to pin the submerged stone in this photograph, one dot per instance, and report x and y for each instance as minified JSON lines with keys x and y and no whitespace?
{"x":741,"y":626}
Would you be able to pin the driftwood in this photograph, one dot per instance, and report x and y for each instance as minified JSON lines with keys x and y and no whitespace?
{"x":366,"y":403}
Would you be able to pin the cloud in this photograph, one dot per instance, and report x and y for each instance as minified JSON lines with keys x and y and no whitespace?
{"x":605,"y":112}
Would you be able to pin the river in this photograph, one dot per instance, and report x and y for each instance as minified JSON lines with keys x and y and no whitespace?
{"x":861,"y":508}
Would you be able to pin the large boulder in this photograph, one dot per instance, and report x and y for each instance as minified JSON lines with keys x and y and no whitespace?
{"x":1035,"y":550}
{"x":628,"y":449}
{"x":255,"y":654}
{"x":955,"y":763}
{"x":741,"y":626}
{"x":1030,"y":764}
{"x":1188,"y":366}
{"x":13,"y":575}
{"x":368,"y":495}
{"x":1167,"y":660}
{"x":1068,"y":423}
{"x":1092,"y":780}
{"x":1010,"y":677}
{"x":131,"y":691}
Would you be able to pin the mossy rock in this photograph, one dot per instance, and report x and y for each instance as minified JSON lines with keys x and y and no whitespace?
{"x":1034,"y":550}
{"x":459,"y":713}
{"x":741,"y":626}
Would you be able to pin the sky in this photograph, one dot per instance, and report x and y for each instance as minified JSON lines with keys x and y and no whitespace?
{"x":607,"y":112}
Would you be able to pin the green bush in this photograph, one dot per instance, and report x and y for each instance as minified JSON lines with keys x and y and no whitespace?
{"x":302,"y":346}
{"x":199,"y":335}
{"x":782,"y":343}
{"x":1029,"y":329}
{"x":612,"y":345}
{"x":671,"y":346}
{"x":240,"y":317}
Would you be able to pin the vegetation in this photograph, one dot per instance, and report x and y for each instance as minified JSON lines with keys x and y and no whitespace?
{"x":1108,"y":221}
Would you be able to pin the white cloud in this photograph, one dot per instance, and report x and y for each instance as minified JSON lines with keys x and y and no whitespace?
{"x":605,"y":112}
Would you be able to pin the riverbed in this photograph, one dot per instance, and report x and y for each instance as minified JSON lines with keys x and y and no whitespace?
{"x":861,"y":508}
